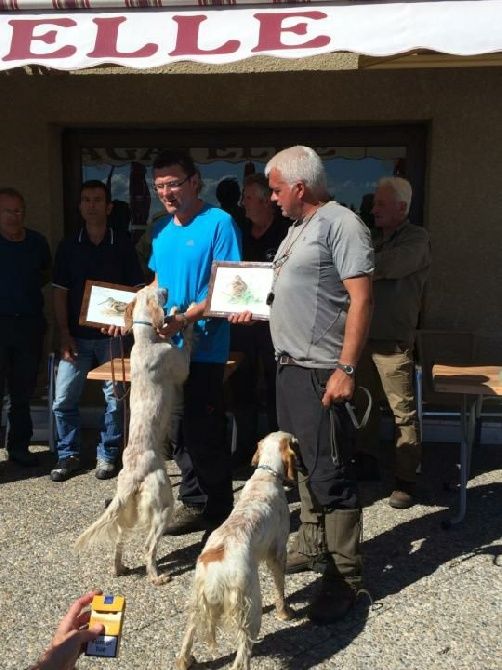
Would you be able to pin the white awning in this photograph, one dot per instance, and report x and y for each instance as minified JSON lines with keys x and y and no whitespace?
{"x":156,"y":37}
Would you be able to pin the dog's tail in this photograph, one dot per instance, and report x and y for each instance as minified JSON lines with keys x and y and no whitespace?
{"x":118,"y":515}
{"x":220,"y":602}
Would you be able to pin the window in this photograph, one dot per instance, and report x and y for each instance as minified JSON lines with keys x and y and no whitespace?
{"x":355,"y":159}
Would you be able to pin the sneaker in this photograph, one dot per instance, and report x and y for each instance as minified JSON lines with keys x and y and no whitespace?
{"x":105,"y":469}
{"x":402,"y":496}
{"x":24,"y":458}
{"x":64,"y":468}
{"x":187,"y":519}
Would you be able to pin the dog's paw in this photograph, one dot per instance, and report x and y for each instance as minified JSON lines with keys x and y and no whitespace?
{"x":286,"y":613}
{"x":158,"y":580}
{"x":183,"y":663}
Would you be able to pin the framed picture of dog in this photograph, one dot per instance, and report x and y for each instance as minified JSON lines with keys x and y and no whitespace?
{"x":237,"y":287}
{"x":104,"y":304}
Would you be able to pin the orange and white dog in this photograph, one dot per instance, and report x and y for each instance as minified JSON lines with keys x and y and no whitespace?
{"x":144,"y":499}
{"x":226,"y":590}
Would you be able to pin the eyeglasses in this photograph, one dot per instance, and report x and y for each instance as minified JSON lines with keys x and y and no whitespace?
{"x":171,"y":185}
{"x":12,"y":212}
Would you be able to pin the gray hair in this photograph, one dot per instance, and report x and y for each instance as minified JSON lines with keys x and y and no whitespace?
{"x":261,"y":182}
{"x":300,"y":164}
{"x":401,"y":188}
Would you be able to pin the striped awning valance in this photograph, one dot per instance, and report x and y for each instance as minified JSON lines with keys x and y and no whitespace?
{"x":144,"y":38}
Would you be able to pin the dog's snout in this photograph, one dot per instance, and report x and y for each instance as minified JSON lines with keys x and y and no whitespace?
{"x":162,"y":296}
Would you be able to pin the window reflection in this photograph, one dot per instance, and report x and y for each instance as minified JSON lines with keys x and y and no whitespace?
{"x":353,"y":173}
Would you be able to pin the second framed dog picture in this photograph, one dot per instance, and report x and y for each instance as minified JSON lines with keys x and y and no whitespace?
{"x":104,"y":304}
{"x":239,"y":287}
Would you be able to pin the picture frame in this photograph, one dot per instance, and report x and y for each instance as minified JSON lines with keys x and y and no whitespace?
{"x":104,"y":304}
{"x":236,"y":287}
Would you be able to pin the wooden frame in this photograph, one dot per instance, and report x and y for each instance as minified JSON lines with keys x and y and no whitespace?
{"x":115,"y":296}
{"x":235,"y":287}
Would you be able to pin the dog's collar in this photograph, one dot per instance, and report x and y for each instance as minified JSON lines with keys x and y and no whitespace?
{"x":271,"y":470}
{"x":143,"y":323}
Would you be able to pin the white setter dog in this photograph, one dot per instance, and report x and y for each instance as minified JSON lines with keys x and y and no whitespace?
{"x":226,"y":590}
{"x":144,"y":498}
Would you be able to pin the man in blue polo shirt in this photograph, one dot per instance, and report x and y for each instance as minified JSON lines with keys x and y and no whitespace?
{"x":25,"y":264}
{"x":99,"y":253}
{"x":185,"y":242}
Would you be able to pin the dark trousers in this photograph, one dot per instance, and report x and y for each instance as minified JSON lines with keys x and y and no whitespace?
{"x":256,"y":345}
{"x":325,"y":436}
{"x":21,"y":342}
{"x":199,"y":445}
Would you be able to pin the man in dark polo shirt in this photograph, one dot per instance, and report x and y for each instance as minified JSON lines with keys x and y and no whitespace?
{"x":25,"y":264}
{"x":262,"y":233}
{"x":95,"y":252}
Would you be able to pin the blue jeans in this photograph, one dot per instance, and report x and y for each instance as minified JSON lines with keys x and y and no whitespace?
{"x":70,"y":382}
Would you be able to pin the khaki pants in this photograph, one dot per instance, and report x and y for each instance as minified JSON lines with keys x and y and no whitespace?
{"x":386,"y":369}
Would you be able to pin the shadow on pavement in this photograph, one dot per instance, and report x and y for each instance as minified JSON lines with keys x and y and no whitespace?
{"x":417,"y":548}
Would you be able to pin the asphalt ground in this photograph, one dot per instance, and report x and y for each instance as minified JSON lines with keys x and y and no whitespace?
{"x":437,"y":594}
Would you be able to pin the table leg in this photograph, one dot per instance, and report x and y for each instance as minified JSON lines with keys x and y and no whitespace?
{"x":467,"y":427}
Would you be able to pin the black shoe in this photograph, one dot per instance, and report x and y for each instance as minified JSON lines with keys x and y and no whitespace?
{"x":24,"y":458}
{"x":333,"y":601}
{"x":105,"y":469}
{"x":65,"y":468}
{"x":187,"y":519}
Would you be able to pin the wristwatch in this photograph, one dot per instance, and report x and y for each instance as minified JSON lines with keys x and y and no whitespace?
{"x":350,"y":370}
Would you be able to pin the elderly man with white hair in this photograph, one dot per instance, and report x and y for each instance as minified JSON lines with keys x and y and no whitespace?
{"x":402,"y":261}
{"x":320,"y":314}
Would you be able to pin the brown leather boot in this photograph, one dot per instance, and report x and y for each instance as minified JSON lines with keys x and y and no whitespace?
{"x":298,"y":562}
{"x":402,"y":496}
{"x":342,"y":576}
{"x":308,"y":551}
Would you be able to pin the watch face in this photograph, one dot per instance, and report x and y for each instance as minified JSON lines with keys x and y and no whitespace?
{"x":348,"y":369}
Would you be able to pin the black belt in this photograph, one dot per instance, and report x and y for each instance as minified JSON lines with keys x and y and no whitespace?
{"x":284,"y":359}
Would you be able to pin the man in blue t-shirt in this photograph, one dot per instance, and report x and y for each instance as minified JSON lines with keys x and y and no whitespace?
{"x":25,"y":266}
{"x":185,"y":242}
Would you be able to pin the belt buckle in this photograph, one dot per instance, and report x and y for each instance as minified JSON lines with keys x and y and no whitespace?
{"x":284,"y":359}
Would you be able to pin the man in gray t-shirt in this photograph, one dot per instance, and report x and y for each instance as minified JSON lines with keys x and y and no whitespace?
{"x":320,"y":313}
{"x":321,"y":302}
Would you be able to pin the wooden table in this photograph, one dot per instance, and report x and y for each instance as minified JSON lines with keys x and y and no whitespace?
{"x":104,"y":372}
{"x":472,"y":383}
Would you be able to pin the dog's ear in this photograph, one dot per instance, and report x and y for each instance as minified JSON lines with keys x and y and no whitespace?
{"x":128,"y":316}
{"x":288,"y":457}
{"x":256,"y":458}
{"x":156,"y":313}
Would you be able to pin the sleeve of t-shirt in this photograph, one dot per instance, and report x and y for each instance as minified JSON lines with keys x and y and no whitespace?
{"x":351,"y":248}
{"x":61,"y":277}
{"x":227,"y":245}
{"x":152,"y":263}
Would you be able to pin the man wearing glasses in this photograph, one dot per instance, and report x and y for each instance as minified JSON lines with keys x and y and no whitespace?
{"x":25,"y":262}
{"x":185,"y":242}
